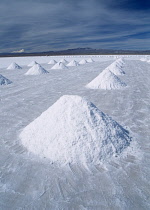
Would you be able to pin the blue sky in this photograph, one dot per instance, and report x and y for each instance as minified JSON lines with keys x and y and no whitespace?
{"x":44,"y":25}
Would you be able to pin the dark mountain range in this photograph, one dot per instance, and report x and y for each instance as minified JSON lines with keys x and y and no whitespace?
{"x":79,"y":51}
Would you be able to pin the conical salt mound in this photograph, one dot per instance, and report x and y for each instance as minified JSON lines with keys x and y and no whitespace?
{"x":32,"y":63}
{"x":73,"y":63}
{"x":119,"y":65}
{"x":116,"y":69}
{"x":59,"y":65}
{"x":90,"y":60}
{"x":4,"y":80}
{"x":83,"y":62}
{"x":120,"y":61}
{"x":14,"y":66}
{"x":74,"y":130}
{"x":63,"y":61}
{"x":37,"y":69}
{"x":106,"y":80}
{"x":52,"y":62}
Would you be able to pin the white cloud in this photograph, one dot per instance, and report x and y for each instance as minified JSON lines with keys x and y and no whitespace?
{"x":18,"y":51}
{"x":48,"y":25}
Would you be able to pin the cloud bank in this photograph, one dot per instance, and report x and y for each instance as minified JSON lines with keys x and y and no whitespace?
{"x":44,"y":25}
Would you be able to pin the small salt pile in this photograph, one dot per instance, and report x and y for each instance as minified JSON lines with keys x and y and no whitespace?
{"x":59,"y":65}
{"x":90,"y":60}
{"x":14,"y":66}
{"x":73,"y":63}
{"x":83,"y":62}
{"x":106,"y":80}
{"x":52,"y":62}
{"x":37,"y":69}
{"x":32,"y":63}
{"x":63,"y":61}
{"x":4,"y":80}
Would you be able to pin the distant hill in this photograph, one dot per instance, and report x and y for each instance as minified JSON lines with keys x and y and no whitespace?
{"x":79,"y":51}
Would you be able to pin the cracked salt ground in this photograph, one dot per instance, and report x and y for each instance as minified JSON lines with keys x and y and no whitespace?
{"x":27,"y":182}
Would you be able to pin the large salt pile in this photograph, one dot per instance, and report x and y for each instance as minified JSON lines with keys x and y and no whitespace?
{"x":106,"y":80}
{"x":63,"y":61}
{"x":120,"y":61}
{"x":37,"y":69}
{"x":52,"y":62}
{"x":73,"y":63}
{"x":32,"y":63}
{"x":83,"y":61}
{"x":90,"y":60}
{"x":4,"y":80}
{"x":59,"y":65}
{"x":74,"y":130}
{"x":14,"y":66}
{"x":116,"y":69}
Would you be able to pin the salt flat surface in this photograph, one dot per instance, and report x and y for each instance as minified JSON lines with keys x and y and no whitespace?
{"x":29,"y":182}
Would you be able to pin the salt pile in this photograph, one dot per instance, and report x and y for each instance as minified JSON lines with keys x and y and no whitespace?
{"x":37,"y":69}
{"x":73,"y":63}
{"x":74,"y":130}
{"x":116,"y":69}
{"x":59,"y":65}
{"x":83,"y":61}
{"x":4,"y":80}
{"x":106,"y":80}
{"x":63,"y":61}
{"x":32,"y":63}
{"x":90,"y":60}
{"x":52,"y":62}
{"x":14,"y":66}
{"x":121,"y":61}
